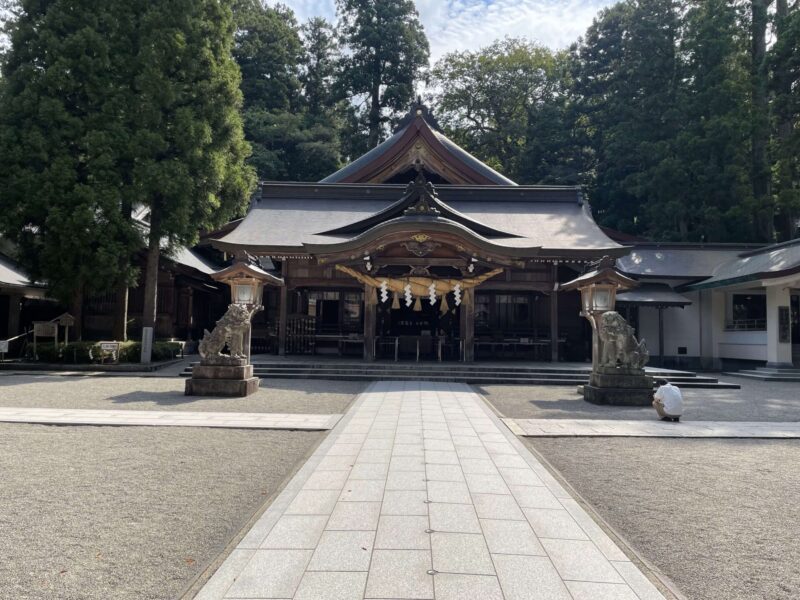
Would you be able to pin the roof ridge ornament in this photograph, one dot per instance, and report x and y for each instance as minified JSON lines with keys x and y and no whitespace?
{"x":427,"y":198}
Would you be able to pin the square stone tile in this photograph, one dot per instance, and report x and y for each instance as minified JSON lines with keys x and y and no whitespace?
{"x":463,"y":440}
{"x":400,"y":574}
{"x":343,"y":551}
{"x":441,"y":457}
{"x":362,"y":490}
{"x":461,"y":553}
{"x":326,"y":480}
{"x":408,"y":450}
{"x":321,"y":585}
{"x":579,"y":560}
{"x":455,"y":492}
{"x":511,"y":537}
{"x":467,"y":587}
{"x":496,"y":506}
{"x":406,"y":480}
{"x":514,"y":461}
{"x":524,"y":476}
{"x":486,"y":484}
{"x":344,"y":450}
{"x":521,"y":575}
{"x":454,"y":518}
{"x":369,"y":471}
{"x":584,"y":590}
{"x":535,"y":497}
{"x":355,"y":516}
{"x":499,"y":448}
{"x":271,"y":574}
{"x":402,"y":533}
{"x":408,"y":439}
{"x":336,"y":463}
{"x":472,"y":452}
{"x":558,"y":524}
{"x":296,"y":532}
{"x":407,"y":463}
{"x":482,"y":466}
{"x":444,"y":473}
{"x":404,"y":502}
{"x":382,"y":455}
{"x":313,"y":502}
{"x":640,"y":584}
{"x":443,"y":445}
{"x":379,"y":443}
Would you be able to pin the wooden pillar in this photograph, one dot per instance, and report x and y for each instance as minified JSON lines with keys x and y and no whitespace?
{"x":120,"y":332}
{"x":370,"y":310}
{"x":14,"y":312}
{"x":467,"y":324}
{"x":283,"y":307}
{"x":554,"y":316}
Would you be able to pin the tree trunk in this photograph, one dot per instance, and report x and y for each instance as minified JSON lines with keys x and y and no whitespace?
{"x":76,"y":310}
{"x":149,"y":313}
{"x":760,"y":133}
{"x":375,"y":111}
{"x":120,"y":332}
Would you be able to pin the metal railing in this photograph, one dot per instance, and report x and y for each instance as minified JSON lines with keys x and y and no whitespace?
{"x":746,"y":325}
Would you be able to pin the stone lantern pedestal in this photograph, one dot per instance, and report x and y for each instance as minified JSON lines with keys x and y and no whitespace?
{"x":619,"y":386}
{"x":221,"y":376}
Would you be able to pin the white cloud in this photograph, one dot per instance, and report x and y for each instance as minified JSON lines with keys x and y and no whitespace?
{"x":471,"y":24}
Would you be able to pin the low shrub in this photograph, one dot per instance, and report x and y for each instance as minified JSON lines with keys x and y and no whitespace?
{"x":84,"y":353}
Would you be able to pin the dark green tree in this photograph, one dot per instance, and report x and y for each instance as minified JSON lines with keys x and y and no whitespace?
{"x":387,"y":54}
{"x":507,"y":104}
{"x":291,"y":138}
{"x":626,"y":83}
{"x":715,"y":139}
{"x":784,"y":59}
{"x":320,"y":59}
{"x":65,"y":108}
{"x":190,"y":150}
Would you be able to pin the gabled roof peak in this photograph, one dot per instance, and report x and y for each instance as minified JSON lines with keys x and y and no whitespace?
{"x":419,"y":110}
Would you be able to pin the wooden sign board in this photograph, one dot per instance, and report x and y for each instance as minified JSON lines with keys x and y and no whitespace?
{"x":45,"y":329}
{"x":65,"y":320}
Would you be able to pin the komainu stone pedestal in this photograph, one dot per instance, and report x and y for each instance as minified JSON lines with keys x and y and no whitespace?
{"x":233,"y":377}
{"x":619,"y":387}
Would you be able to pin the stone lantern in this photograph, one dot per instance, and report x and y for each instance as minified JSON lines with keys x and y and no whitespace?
{"x":618,"y":358}
{"x":231,"y":374}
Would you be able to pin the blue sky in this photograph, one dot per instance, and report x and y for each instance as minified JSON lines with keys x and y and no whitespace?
{"x":471,"y":24}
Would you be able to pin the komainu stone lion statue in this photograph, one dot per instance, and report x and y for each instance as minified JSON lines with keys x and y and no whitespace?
{"x":619,"y":346}
{"x":230,"y":330}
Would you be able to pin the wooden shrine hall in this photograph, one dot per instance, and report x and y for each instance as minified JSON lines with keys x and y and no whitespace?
{"x":417,"y":250}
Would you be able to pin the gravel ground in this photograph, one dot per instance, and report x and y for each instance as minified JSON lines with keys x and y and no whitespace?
{"x":756,"y":401}
{"x":129,"y":512}
{"x":718,"y":517}
{"x":166,"y":393}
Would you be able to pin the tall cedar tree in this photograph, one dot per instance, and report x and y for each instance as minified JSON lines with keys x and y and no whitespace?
{"x":388,"y":52}
{"x":290,"y":141}
{"x":625,"y":99}
{"x":507,"y":104}
{"x":65,"y":107}
{"x":759,"y":82}
{"x":715,"y":138}
{"x":784,"y":59}
{"x":190,"y":150}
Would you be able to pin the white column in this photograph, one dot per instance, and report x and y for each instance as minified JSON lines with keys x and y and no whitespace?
{"x":717,"y":316}
{"x":779,"y":354}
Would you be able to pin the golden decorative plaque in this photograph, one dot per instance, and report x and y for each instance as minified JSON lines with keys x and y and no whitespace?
{"x":420,"y":237}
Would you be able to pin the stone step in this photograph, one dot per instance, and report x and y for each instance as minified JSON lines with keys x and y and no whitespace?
{"x":761,"y":376}
{"x":474,"y":378}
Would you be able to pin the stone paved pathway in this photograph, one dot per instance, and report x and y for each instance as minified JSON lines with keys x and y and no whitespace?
{"x":654,"y":428}
{"x":167,"y":418}
{"x":421,"y":492}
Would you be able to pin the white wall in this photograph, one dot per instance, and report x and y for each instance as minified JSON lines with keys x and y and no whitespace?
{"x":681,"y":327}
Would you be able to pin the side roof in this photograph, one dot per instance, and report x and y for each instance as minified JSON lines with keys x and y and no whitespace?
{"x":418,"y":139}
{"x":769,"y":262}
{"x":677,"y":260}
